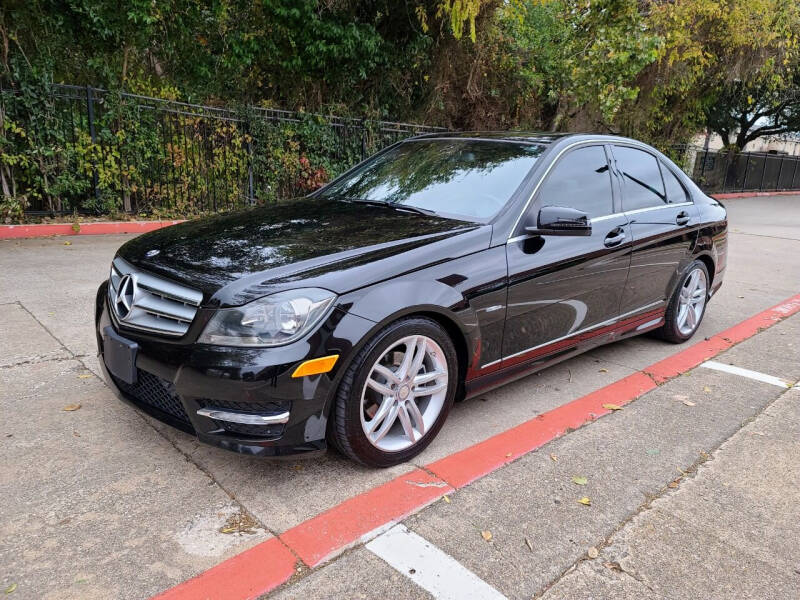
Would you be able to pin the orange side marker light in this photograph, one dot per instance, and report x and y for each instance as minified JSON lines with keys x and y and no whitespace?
{"x":315,"y":366}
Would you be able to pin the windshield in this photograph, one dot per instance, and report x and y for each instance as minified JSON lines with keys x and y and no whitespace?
{"x":458,"y":178}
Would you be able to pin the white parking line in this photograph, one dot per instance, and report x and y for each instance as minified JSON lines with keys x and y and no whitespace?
{"x":438,"y":573}
{"x":717,"y":366}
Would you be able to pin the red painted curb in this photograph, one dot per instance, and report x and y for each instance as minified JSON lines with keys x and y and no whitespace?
{"x":93,"y":228}
{"x":320,"y":538}
{"x":685,"y":360}
{"x":470,"y":464}
{"x":248,"y":575}
{"x":753,"y":194}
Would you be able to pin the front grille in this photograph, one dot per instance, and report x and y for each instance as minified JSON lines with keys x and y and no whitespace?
{"x":153,"y":391}
{"x":151,"y":303}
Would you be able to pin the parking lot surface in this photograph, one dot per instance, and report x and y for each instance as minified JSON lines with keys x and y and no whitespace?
{"x":99,"y":501}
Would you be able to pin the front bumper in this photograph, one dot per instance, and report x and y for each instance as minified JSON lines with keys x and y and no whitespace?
{"x":183,"y":384}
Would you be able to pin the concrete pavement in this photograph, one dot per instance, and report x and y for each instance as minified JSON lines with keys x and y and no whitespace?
{"x":693,"y":493}
{"x":130,"y":478}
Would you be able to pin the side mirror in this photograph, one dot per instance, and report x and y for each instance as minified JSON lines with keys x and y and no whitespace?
{"x":560,"y":220}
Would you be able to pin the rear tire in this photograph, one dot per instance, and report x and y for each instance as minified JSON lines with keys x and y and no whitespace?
{"x":687,"y":306}
{"x":396,"y":394}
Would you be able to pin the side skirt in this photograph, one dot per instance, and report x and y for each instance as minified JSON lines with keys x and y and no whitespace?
{"x":551,"y":356}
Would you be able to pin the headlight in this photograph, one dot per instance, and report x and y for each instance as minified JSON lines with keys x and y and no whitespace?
{"x":270,"y":321}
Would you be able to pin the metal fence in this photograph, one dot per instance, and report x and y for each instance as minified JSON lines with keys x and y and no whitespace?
{"x":67,"y":148}
{"x":90,"y":150}
{"x":720,"y":172}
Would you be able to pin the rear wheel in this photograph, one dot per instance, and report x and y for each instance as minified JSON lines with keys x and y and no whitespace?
{"x":687,"y":305}
{"x":395,"y":396}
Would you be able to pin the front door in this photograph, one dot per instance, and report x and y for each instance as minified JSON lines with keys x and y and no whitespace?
{"x":565,"y":289}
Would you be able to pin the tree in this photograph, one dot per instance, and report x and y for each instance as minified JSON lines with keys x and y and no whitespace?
{"x":741,"y":113}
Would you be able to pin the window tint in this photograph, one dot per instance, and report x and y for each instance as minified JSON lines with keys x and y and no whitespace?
{"x":643,"y":186}
{"x":580,"y":180}
{"x":675,"y":191}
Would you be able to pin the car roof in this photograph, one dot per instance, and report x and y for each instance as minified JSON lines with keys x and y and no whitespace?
{"x":538,"y":137}
{"x":531,"y":137}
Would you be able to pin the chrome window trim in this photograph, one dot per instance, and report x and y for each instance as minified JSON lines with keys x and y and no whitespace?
{"x":580,"y":331}
{"x":518,"y":238}
{"x":636,"y":211}
{"x":630,"y":143}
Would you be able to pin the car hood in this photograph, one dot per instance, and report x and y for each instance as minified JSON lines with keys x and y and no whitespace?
{"x":340,"y":246}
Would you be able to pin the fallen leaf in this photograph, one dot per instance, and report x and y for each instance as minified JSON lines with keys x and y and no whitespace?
{"x":707,"y":390}
{"x":612,"y":406}
{"x":603,"y":371}
{"x":10,"y":589}
{"x":228,"y":529}
{"x":528,"y":544}
{"x":446,"y":498}
{"x":554,"y":458}
{"x":71,"y":407}
{"x":577,"y":480}
{"x":593,"y":552}
{"x":68,"y":243}
{"x":585,"y":501}
{"x":487,"y":535}
{"x":612,"y":565}
{"x":673,"y":484}
{"x":84,"y":376}
{"x":688,"y":403}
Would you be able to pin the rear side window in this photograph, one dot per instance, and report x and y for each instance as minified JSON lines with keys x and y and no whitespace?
{"x":580,"y":180}
{"x":643,"y":187}
{"x":676,"y":193}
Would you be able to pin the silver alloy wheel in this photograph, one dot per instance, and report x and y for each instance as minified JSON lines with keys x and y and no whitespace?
{"x":692,"y":301}
{"x":404,"y":393}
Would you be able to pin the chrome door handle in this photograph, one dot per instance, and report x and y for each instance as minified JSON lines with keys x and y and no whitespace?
{"x":682,"y":218}
{"x":615,"y":237}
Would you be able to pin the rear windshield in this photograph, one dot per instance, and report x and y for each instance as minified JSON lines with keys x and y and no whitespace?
{"x":464,"y":179}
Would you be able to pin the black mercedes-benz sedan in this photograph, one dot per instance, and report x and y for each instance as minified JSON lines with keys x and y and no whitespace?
{"x":439,"y":268}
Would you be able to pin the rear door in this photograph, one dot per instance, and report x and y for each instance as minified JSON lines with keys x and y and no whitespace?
{"x":565,"y":289}
{"x":663,"y":223}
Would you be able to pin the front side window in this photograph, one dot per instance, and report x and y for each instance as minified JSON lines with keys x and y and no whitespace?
{"x":458,"y":178}
{"x":580,"y":180}
{"x":643,"y":187}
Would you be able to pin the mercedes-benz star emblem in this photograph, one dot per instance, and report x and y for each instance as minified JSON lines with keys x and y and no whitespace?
{"x":126,"y":296}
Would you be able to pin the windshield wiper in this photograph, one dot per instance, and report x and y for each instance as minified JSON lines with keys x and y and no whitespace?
{"x":394,"y":205}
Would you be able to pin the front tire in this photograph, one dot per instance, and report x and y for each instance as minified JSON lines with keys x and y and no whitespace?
{"x":396,"y":394}
{"x":687,"y":305}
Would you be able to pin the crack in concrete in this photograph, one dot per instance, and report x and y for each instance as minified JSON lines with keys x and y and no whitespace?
{"x":186,"y":456}
{"x":689,"y":472}
{"x":43,"y":359}
{"x":73,"y":355}
{"x":774,"y":237}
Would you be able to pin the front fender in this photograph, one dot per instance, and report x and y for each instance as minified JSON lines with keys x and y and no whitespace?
{"x":384,"y":303}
